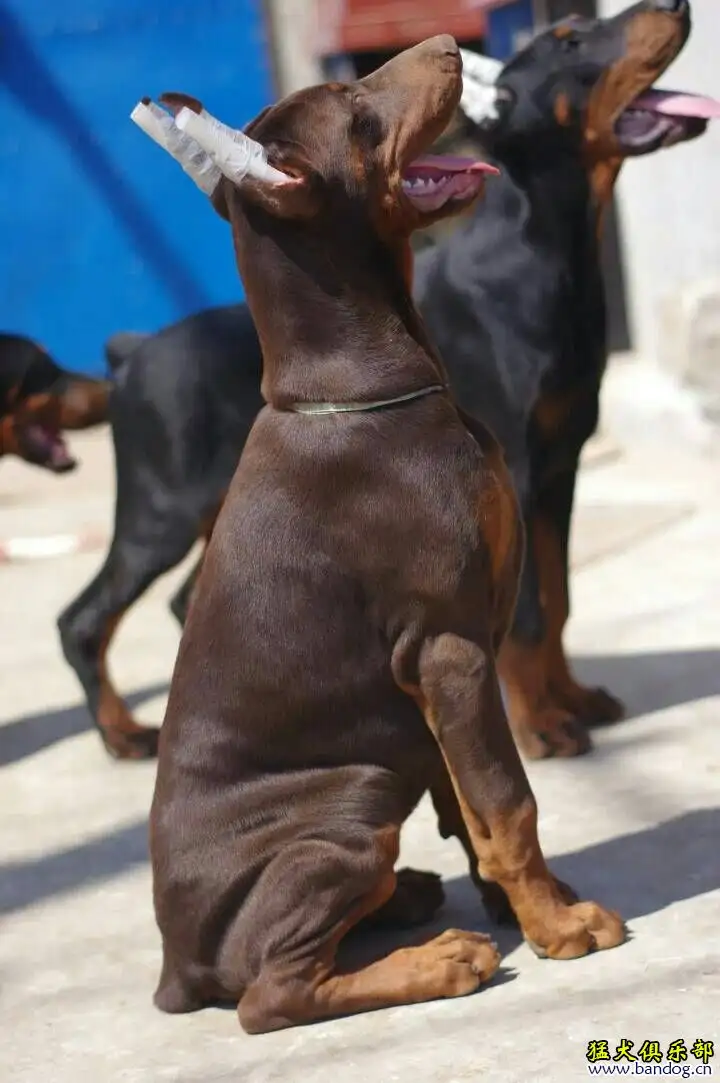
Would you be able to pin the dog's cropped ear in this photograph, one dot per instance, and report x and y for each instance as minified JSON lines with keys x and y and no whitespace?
{"x":244,"y":162}
{"x":161,"y":128}
{"x":480,"y":95}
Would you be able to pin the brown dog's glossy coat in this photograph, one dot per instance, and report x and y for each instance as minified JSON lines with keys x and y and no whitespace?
{"x":339,"y":656}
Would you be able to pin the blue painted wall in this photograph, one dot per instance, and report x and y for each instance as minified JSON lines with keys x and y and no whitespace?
{"x":99,"y":229}
{"x":508,"y":27}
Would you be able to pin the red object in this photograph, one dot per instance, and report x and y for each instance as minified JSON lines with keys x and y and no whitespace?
{"x":348,"y":26}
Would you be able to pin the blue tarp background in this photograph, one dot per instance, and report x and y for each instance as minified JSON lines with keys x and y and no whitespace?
{"x":507,"y":26}
{"x":99,"y":230}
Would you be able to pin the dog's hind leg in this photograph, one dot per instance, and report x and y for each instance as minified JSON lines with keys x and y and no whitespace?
{"x":456,"y":687}
{"x":180,"y":601}
{"x":416,"y":899}
{"x":591,"y":706}
{"x":319,"y":891}
{"x":88,"y":624}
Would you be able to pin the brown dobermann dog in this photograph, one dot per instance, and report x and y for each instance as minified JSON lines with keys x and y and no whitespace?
{"x":39,"y":401}
{"x":339,"y":655}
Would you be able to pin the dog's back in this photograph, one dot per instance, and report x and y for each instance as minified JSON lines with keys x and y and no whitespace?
{"x":193,"y":389}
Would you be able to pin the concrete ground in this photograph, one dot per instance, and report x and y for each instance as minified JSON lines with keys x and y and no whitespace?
{"x":635,"y":825}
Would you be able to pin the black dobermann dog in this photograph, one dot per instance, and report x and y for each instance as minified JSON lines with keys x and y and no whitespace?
{"x":338,"y":660}
{"x":515,"y":301}
{"x":39,"y":401}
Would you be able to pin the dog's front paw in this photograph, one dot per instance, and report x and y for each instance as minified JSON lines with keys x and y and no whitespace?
{"x":572,"y":931}
{"x":590,"y":706}
{"x":130,"y":742}
{"x":458,"y":961}
{"x":551,"y":733}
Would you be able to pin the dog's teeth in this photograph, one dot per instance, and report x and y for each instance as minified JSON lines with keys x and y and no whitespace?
{"x":424,"y":184}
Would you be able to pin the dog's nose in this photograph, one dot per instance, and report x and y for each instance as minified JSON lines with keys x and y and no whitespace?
{"x":449,"y":45}
{"x":445,"y":45}
{"x":670,"y":5}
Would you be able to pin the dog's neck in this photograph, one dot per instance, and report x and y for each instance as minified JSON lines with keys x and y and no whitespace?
{"x":530,"y":255}
{"x":552,"y":195}
{"x":333,"y":311}
{"x":537,"y":210}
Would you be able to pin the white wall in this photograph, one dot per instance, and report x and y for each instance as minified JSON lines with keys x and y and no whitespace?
{"x":670,"y":201}
{"x":295,"y":33}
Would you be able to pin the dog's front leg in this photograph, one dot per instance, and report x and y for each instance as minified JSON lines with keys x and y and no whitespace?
{"x":541,"y":726}
{"x":551,"y":540}
{"x":457,"y":690}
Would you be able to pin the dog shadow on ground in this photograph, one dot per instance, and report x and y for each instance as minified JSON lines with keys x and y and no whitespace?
{"x":654,"y":681}
{"x":25,"y":736}
{"x":637,"y":874}
{"x":645,"y":682}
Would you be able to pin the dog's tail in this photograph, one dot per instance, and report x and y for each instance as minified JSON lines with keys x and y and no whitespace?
{"x":119,"y":347}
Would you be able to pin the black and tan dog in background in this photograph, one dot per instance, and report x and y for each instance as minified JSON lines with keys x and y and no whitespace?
{"x":39,"y":401}
{"x":515,"y":301}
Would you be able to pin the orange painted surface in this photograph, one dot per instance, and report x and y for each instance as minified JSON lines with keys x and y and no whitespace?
{"x":354,"y":25}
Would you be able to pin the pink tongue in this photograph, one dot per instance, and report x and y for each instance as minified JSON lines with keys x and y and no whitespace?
{"x":675,"y":104}
{"x":447,"y":164}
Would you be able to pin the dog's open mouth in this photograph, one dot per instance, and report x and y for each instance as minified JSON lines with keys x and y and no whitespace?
{"x":660,"y":118}
{"x":433,"y":180}
{"x":46,"y":447}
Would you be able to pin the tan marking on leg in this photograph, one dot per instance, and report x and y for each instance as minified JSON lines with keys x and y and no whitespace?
{"x":460,"y":700}
{"x":590,"y":706}
{"x":452,"y":825}
{"x":540,"y":727}
{"x":124,"y":738}
{"x":452,"y":964}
